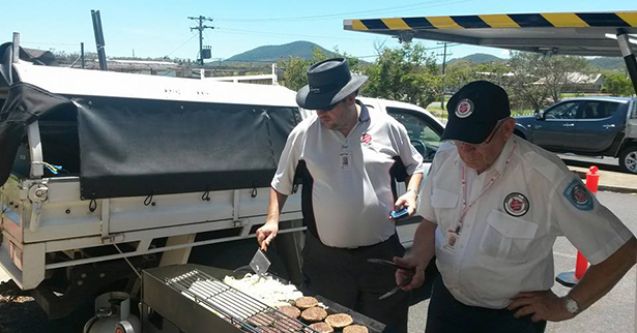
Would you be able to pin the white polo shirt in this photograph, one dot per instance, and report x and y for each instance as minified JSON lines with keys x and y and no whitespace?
{"x":351,"y":194}
{"x":506,"y":241}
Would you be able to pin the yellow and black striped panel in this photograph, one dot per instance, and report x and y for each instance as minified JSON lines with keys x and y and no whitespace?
{"x":545,"y":20}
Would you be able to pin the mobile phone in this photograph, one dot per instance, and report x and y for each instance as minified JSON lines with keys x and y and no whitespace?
{"x":398,"y":213}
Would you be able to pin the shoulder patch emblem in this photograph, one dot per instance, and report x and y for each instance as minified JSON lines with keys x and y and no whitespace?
{"x":464,"y":108}
{"x":577,"y":194}
{"x":516,"y":204}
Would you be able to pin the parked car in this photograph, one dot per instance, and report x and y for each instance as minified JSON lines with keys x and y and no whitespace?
{"x":594,"y":126}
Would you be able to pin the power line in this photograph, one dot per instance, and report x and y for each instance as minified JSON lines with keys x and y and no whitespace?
{"x":182,"y":44}
{"x":425,"y":4}
{"x":270,"y":33}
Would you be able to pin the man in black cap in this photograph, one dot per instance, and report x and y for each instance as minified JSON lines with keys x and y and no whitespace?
{"x":348,"y":157}
{"x":493,"y":206}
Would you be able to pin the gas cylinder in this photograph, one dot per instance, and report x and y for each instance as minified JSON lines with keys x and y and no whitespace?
{"x":112,"y":314}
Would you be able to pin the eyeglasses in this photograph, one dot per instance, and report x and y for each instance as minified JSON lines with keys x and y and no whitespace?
{"x":486,"y":141}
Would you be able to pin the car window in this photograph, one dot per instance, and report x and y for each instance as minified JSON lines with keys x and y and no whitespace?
{"x":424,"y":136}
{"x":567,"y":110}
{"x":599,"y":109}
{"x":634,"y":113}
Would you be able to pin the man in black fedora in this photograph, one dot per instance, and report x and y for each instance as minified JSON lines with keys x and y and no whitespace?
{"x":493,"y":208}
{"x":348,"y":157}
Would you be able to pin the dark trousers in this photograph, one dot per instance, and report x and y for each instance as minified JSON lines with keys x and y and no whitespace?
{"x":447,"y":315}
{"x":345,"y":277}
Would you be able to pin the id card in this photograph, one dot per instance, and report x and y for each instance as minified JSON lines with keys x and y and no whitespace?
{"x":451,"y":240}
{"x":345,"y":159}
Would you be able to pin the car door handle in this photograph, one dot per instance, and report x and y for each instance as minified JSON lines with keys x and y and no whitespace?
{"x":568,"y":125}
{"x":607,"y":126}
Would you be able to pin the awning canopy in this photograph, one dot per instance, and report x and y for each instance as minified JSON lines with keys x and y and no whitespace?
{"x":583,"y":34}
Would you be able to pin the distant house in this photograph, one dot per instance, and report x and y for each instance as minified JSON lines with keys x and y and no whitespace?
{"x":165,"y":68}
{"x":580,"y":83}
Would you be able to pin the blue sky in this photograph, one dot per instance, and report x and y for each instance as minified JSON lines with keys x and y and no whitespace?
{"x":161,"y":28}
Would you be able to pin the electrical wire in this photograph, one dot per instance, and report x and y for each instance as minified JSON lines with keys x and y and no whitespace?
{"x":424,"y":4}
{"x":193,"y":35}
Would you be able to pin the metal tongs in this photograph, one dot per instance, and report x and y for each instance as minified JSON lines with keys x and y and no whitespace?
{"x":390,"y":263}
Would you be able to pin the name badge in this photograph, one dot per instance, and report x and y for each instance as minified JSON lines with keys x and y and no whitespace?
{"x":452,"y":239}
{"x":345,"y":159}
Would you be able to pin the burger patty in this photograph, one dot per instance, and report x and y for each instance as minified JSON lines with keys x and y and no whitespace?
{"x":316,"y":313}
{"x":322,"y":327}
{"x":306,"y":302}
{"x":339,"y":320}
{"x":290,"y":311}
{"x":355,"y":329}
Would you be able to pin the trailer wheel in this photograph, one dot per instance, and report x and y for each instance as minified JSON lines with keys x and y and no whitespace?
{"x":628,"y":159}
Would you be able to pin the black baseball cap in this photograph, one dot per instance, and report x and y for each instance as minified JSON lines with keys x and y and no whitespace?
{"x":474,"y":110}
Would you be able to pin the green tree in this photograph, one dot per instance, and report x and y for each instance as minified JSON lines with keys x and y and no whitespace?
{"x":295,"y":68}
{"x":294,"y":72}
{"x":617,"y":84}
{"x":538,"y":80}
{"x":404,"y":74}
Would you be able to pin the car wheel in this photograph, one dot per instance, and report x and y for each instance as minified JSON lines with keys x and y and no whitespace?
{"x":628,"y":159}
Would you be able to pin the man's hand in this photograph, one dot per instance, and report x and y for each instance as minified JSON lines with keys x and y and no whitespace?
{"x":403,"y":275}
{"x":541,"y":305}
{"x":408,"y":199}
{"x":266,"y":233}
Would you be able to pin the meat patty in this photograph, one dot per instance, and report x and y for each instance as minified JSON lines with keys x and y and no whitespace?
{"x":355,"y":329}
{"x":339,"y":320}
{"x":290,"y":311}
{"x":316,"y":313}
{"x":322,"y":327}
{"x":306,"y":302}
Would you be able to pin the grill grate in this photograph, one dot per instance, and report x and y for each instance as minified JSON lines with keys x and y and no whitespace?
{"x":233,"y":305}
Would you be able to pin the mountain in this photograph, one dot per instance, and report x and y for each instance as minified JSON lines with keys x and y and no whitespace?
{"x":478,"y":58}
{"x":301,"y":49}
{"x":608,"y":63}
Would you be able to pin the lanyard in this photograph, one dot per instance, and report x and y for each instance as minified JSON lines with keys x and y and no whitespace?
{"x":463,"y":181}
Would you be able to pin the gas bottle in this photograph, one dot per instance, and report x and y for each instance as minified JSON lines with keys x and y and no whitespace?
{"x":112,"y":314}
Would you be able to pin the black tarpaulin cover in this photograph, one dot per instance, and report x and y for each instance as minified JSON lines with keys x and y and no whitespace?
{"x":24,"y":105}
{"x":145,"y":147}
{"x":129,"y":147}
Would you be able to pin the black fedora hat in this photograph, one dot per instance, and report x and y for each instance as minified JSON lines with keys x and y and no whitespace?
{"x":330,"y":81}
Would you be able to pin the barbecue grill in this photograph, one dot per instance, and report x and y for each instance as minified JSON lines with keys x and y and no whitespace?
{"x":194,"y":299}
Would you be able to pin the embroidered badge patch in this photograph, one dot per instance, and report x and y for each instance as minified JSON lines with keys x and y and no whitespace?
{"x":578,"y":195}
{"x":464,"y":108}
{"x":516,"y":204}
{"x":366,"y":138}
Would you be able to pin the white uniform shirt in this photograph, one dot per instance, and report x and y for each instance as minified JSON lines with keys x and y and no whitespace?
{"x":506,"y":241}
{"x":351,"y":194}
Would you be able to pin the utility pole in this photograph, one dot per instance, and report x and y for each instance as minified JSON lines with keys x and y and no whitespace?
{"x":201,"y":28}
{"x":444,"y":55}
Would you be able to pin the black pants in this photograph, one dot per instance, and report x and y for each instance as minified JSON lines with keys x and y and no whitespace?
{"x":345,"y":277}
{"x":447,"y":315}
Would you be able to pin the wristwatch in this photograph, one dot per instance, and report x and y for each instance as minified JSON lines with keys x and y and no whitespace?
{"x":571,"y":305}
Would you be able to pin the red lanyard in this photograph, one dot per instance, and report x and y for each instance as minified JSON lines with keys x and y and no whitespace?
{"x":463,"y":182}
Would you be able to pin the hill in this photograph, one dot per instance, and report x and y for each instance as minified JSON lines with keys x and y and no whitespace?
{"x":478,"y":58}
{"x":608,"y":63}
{"x":301,"y":49}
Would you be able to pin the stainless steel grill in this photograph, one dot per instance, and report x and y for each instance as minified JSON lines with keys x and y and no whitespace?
{"x":243,"y":312}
